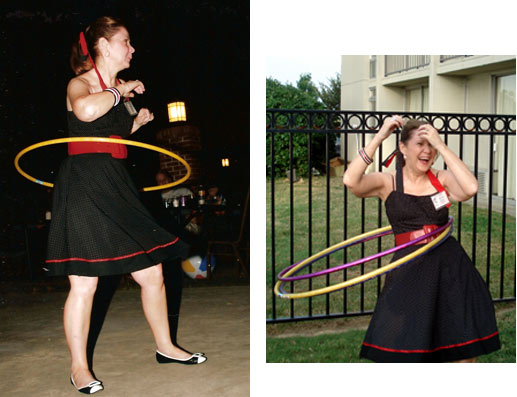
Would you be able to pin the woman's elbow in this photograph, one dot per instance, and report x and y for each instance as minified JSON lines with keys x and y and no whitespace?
{"x":467,"y":192}
{"x":84,"y":112}
{"x":472,"y":189}
{"x":350,"y":183}
{"x":346,"y":181}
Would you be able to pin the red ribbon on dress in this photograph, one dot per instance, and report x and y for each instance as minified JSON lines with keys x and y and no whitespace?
{"x":437,"y":185}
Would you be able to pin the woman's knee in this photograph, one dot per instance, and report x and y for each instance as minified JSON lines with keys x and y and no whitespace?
{"x":150,"y":276}
{"x":82,"y":285}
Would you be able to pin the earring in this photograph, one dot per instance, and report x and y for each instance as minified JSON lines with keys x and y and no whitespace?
{"x":405,"y":157}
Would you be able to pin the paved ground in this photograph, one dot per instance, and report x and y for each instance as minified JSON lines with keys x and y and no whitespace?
{"x":34,"y":358}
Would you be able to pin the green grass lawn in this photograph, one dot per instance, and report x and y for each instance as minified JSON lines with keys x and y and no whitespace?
{"x":344,"y":347}
{"x":364,"y":296}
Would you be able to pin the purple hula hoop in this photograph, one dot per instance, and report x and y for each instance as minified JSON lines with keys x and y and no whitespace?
{"x":359,"y":261}
{"x":363,"y":240}
{"x":282,"y":291}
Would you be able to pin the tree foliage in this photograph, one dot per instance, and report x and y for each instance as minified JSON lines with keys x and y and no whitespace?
{"x":305,"y":95}
{"x":286,"y":96}
{"x":330,"y":94}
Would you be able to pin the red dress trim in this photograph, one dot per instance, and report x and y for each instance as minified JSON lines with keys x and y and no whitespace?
{"x":115,"y":258}
{"x":431,"y":350}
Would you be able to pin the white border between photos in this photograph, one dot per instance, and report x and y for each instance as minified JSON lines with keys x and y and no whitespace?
{"x":398,"y":26}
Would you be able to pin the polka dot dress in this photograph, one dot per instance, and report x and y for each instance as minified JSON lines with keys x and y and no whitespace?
{"x":436,"y":308}
{"x":99,"y":226}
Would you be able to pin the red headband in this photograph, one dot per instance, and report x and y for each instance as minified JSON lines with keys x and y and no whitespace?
{"x":82,"y":44}
{"x":85,"y":52}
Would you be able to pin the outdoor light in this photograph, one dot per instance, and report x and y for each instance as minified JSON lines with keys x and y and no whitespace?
{"x":225,"y":162}
{"x":177,"y":112}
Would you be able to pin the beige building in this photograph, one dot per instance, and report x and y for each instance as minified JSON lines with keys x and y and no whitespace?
{"x":438,"y":84}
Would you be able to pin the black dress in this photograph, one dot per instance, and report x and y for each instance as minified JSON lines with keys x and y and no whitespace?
{"x":436,"y":308}
{"x":99,"y":225}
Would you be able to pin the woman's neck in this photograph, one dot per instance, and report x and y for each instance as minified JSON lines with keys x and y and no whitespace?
{"x":416,"y":177}
{"x":108,"y":74}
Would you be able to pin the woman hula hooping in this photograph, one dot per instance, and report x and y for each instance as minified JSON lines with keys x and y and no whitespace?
{"x":99,"y":226}
{"x":436,"y":308}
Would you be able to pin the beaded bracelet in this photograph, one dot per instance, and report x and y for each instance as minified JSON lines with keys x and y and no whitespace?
{"x":365,"y":157}
{"x":116,"y":93}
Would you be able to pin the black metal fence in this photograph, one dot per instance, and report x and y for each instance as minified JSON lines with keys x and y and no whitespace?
{"x":485,"y":225}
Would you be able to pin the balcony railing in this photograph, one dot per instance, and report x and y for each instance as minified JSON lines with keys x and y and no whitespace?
{"x":402,"y":63}
{"x":444,"y":58}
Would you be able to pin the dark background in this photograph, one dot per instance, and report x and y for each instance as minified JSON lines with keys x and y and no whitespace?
{"x":196,"y":51}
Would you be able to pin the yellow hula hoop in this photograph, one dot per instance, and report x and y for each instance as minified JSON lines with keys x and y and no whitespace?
{"x":109,"y":140}
{"x":358,"y":279}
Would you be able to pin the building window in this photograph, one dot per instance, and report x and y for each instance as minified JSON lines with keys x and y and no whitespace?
{"x":417,"y":99}
{"x":505,"y":94}
{"x":373,"y":99}
{"x":504,"y":104}
{"x":425,"y":99}
{"x":373,"y":66}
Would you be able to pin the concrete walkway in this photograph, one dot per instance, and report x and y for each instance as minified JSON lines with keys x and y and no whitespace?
{"x":34,"y":358}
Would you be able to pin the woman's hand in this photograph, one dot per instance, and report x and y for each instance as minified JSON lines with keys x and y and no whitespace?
{"x":390,"y":125}
{"x":430,"y":133}
{"x":457,"y":179}
{"x":143,"y":117}
{"x":376,"y":184}
{"x":126,"y":89}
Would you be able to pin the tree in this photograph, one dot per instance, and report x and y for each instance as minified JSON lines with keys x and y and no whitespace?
{"x":286,"y":96}
{"x":330,"y":94}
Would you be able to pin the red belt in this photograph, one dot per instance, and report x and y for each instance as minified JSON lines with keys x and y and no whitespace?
{"x":403,"y":238}
{"x":117,"y":150}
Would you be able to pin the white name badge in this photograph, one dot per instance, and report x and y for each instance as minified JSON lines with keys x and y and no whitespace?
{"x":440,"y":200}
{"x":130,"y":108}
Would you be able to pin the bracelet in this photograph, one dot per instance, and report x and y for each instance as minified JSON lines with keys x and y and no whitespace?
{"x":365,"y":157}
{"x":116,"y":93}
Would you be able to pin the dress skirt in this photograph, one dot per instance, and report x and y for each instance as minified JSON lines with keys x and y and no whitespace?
{"x":99,"y":225}
{"x":436,"y":308}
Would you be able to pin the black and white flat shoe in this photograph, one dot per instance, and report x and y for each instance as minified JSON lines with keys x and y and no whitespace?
{"x":196,"y":358}
{"x":92,"y":387}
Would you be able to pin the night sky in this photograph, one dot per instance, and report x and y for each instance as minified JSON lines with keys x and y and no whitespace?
{"x":197,"y":51}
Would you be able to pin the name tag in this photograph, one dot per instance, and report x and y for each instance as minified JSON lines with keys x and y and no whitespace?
{"x":440,"y":200}
{"x":130,"y":108}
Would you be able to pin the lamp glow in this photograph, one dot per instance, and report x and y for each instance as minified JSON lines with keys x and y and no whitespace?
{"x":177,"y":111}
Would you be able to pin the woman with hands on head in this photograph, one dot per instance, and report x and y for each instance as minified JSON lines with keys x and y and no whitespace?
{"x":436,"y":308}
{"x":99,"y":226}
